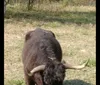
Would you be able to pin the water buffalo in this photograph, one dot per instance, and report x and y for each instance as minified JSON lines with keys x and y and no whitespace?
{"x":42,"y":59}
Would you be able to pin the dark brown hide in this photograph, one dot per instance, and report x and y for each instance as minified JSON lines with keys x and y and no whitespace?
{"x":39,"y":48}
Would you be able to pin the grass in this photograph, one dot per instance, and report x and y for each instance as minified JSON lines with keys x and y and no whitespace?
{"x":16,"y":82}
{"x":74,"y":27}
{"x":46,"y":14}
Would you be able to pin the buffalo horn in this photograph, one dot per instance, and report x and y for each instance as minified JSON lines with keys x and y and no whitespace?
{"x":69,"y":66}
{"x":38,"y":68}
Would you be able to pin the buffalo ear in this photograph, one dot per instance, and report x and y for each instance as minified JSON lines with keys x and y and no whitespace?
{"x":53,"y":34}
{"x":28,"y":35}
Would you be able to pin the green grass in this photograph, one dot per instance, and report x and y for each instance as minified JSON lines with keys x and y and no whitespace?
{"x":92,"y":62}
{"x":59,"y":15}
{"x":16,"y":82}
{"x":74,"y":27}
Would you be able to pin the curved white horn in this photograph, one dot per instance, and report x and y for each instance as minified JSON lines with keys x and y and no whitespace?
{"x":38,"y":68}
{"x":69,"y":66}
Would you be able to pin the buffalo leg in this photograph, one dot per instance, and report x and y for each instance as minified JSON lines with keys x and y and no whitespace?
{"x":28,"y":80}
{"x":38,"y":79}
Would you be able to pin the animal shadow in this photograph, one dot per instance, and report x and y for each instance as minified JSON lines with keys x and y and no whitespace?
{"x":75,"y":82}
